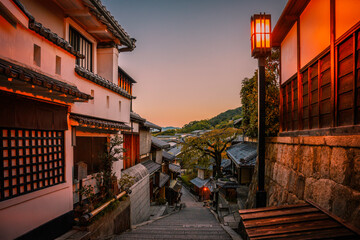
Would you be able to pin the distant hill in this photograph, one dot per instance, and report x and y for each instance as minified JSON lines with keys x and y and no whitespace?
{"x":225,"y":116}
{"x":222,"y":120}
{"x":168,"y":128}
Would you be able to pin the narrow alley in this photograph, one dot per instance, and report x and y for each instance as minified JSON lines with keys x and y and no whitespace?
{"x":192,"y":222}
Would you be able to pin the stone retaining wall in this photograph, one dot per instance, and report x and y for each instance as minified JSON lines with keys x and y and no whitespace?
{"x":325,"y":170}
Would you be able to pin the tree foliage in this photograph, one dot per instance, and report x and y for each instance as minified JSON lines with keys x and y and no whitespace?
{"x":210,"y":145}
{"x":249,"y":99}
{"x":225,"y":117}
{"x":195,"y":125}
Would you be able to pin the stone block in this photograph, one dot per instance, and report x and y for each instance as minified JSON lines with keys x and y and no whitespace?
{"x":306,"y":164}
{"x":343,"y":203}
{"x":355,"y":175}
{"x":339,"y":164}
{"x":292,"y":181}
{"x":325,"y":156}
{"x":300,"y":186}
{"x":319,"y":191}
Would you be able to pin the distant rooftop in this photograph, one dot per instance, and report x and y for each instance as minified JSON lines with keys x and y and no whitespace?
{"x":157,"y":143}
{"x":243,"y":154}
{"x":167,"y":156}
{"x":152,"y":125}
{"x":151,"y":166}
{"x":175,"y":150}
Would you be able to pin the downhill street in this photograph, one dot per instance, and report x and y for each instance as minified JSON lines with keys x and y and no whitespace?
{"x":192,"y":222}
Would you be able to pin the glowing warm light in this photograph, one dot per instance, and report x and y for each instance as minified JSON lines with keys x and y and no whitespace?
{"x":32,"y":86}
{"x":9,"y":79}
{"x":206,"y":189}
{"x":260,"y":35}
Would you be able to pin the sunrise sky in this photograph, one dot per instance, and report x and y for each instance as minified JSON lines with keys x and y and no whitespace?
{"x":191,"y":55}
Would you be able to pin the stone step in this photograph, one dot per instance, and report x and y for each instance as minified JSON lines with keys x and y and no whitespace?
{"x":171,"y":236}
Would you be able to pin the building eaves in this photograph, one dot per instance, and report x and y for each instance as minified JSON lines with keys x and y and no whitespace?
{"x":243,"y":154}
{"x":47,"y":33}
{"x":175,"y":150}
{"x":199,"y":182}
{"x":101,"y":81}
{"x":163,"y":179}
{"x":289,"y":16}
{"x":126,"y":74}
{"x":24,"y":74}
{"x":136,"y":117}
{"x":167,"y":156}
{"x":174,"y":168}
{"x":152,"y":125}
{"x":157,"y":143}
{"x":151,"y":166}
{"x":87,"y":121}
{"x":104,"y":16}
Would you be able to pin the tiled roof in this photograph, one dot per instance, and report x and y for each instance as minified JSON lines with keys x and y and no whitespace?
{"x":175,"y":168}
{"x":136,"y":117}
{"x":175,"y":150}
{"x":101,"y":81}
{"x":104,"y":16}
{"x":98,"y":122}
{"x":54,"y":38}
{"x":167,"y":156}
{"x":163,"y":179}
{"x":225,"y":163}
{"x":174,"y":185}
{"x":24,"y":74}
{"x":151,"y":166}
{"x":152,"y":125}
{"x":138,"y":172}
{"x":243,"y":154}
{"x":159,"y":143}
{"x":199,"y":182}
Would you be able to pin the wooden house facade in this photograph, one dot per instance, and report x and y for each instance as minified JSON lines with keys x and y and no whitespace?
{"x":316,"y":156}
{"x":60,"y":103}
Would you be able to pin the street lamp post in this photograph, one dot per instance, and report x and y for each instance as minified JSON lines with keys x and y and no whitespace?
{"x":260,"y":49}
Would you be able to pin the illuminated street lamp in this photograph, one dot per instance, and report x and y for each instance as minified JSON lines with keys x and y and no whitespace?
{"x":260,"y":49}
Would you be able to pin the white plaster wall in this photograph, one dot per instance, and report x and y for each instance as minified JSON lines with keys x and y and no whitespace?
{"x":346,"y":15}
{"x":22,"y":214}
{"x":140,"y":201}
{"x":47,"y":13}
{"x":98,"y":107}
{"x":145,"y":142}
{"x":107,"y":63}
{"x":158,"y":156}
{"x":135,"y":127}
{"x":289,"y":54}
{"x":314,"y":30}
{"x":17,"y":46}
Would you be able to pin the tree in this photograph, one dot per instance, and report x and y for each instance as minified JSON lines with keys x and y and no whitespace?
{"x":199,"y":150}
{"x":249,"y":98}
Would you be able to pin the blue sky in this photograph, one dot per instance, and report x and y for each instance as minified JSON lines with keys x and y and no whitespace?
{"x":191,"y":55}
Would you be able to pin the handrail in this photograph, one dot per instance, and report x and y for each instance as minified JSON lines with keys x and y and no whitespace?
{"x":88,"y":216}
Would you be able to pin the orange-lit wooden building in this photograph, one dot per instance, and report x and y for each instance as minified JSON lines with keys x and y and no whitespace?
{"x":317,"y":153}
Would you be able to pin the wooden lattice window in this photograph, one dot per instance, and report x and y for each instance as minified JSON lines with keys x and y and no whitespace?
{"x":30,"y":160}
{"x":325,"y":92}
{"x":305,"y":100}
{"x":345,"y":83}
{"x":84,"y":46}
{"x":314,"y":96}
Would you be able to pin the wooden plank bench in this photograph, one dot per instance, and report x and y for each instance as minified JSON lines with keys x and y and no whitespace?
{"x":301,"y":221}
